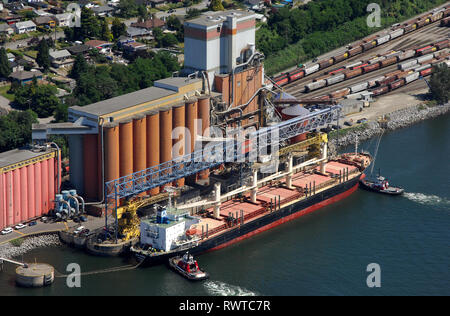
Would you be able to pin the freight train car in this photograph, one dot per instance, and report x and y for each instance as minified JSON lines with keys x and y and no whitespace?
{"x":281,"y":79}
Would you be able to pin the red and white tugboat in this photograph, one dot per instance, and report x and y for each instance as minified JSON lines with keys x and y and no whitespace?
{"x":188,"y":267}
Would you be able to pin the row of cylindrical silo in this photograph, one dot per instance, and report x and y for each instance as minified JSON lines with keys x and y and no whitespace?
{"x":27,"y":191}
{"x":144,"y":141}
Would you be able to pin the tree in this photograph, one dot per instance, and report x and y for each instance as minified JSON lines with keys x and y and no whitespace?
{"x":39,"y":98}
{"x":43,"y":55}
{"x":118,"y":28}
{"x":79,"y":67}
{"x":15,"y":129}
{"x":5,"y":67}
{"x":105,"y":32}
{"x":440,"y":83}
{"x":216,"y":5}
{"x":168,"y":40}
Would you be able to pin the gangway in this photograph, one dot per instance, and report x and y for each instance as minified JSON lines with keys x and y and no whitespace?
{"x":212,"y":156}
{"x":13,"y":262}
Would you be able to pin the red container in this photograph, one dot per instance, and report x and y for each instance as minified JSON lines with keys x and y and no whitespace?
{"x":296,"y":74}
{"x":353,"y":73}
{"x":397,"y":84}
{"x":281,"y":80}
{"x":387,"y":81}
{"x":360,"y":66}
{"x":426,"y":72}
{"x":336,"y":71}
{"x":370,"y":68}
{"x":381,"y":90}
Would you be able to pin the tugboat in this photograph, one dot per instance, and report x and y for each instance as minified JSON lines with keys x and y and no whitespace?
{"x":380,"y":185}
{"x":188,"y":267}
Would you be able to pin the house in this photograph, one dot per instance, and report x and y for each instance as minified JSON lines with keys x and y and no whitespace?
{"x":135,"y":32}
{"x":47,"y":21}
{"x":11,"y":18}
{"x":6,"y":29}
{"x":134,"y":46}
{"x":10,"y":56}
{"x":149,"y":24}
{"x":79,"y":49}
{"x":100,"y":45}
{"x":56,"y":10}
{"x":61,"y":58}
{"x":25,"y":77}
{"x":15,"y":66}
{"x":65,"y":19}
{"x":104,"y":10}
{"x":24,"y":27}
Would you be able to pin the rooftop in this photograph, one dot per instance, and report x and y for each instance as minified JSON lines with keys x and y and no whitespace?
{"x":18,"y":155}
{"x":213,"y":18}
{"x":59,"y":53}
{"x":149,"y":24}
{"x":23,"y":75}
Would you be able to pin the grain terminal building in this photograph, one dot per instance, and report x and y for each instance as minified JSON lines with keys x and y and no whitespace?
{"x":116,"y":137}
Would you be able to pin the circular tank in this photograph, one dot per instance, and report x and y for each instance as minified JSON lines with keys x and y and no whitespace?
{"x":139,"y":144}
{"x":35,"y":275}
{"x":179,"y":143}
{"x":293,"y":112}
{"x":126,"y":148}
{"x":153,"y":143}
{"x":90,"y":156}
{"x":111,"y":139}
{"x":191,"y":117}
{"x":203,"y":114}
{"x":165,"y":130}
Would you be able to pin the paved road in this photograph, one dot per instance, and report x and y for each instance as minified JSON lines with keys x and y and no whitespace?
{"x":24,"y":42}
{"x":92,"y":224}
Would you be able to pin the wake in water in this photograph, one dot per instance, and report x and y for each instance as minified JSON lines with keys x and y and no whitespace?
{"x":427,"y":199}
{"x":218,"y":288}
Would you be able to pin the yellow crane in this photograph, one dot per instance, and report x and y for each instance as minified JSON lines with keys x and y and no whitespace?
{"x":127,"y":217}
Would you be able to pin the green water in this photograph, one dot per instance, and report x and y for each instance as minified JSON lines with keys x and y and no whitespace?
{"x":324,"y":253}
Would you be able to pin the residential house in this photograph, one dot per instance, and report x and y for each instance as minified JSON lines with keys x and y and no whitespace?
{"x":65,"y":19}
{"x":25,"y":77}
{"x":135,"y":32}
{"x":24,"y":27}
{"x":79,"y":49}
{"x":134,"y":46}
{"x":104,"y":10}
{"x":149,"y":24}
{"x":11,"y":18}
{"x":6,"y":29}
{"x":46,"y":21}
{"x":15,"y":66}
{"x":56,"y":10}
{"x":100,"y":45}
{"x":61,"y":58}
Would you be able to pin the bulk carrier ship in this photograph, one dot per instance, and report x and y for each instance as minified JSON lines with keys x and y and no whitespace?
{"x":237,"y":215}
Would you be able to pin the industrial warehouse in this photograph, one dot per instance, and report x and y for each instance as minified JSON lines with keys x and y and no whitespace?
{"x":146,"y":163}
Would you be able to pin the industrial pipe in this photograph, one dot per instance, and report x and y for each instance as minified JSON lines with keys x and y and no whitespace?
{"x":58,"y":162}
{"x":82,"y":202}
{"x":77,"y":204}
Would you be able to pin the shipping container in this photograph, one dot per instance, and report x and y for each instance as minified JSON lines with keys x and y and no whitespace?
{"x":374,"y":82}
{"x":281,"y":79}
{"x":397,"y":33}
{"x":326,"y":63}
{"x":340,"y":93}
{"x":324,"y":77}
{"x":359,"y":87}
{"x":421,"y":23}
{"x":369,"y":45}
{"x":361,"y":66}
{"x":407,"y":64}
{"x":381,"y":90}
{"x":442,"y":44}
{"x":315,"y":85}
{"x":387,"y":80}
{"x":406,"y":55}
{"x":427,"y":51}
{"x":335,"y":79}
{"x":296,"y":74}
{"x":404,"y":74}
{"x":311,"y":69}
{"x":410,"y":27}
{"x":383,"y":39}
{"x":412,"y":77}
{"x":388,"y":61}
{"x":376,"y":59}
{"x":353,"y":73}
{"x":396,"y":84}
{"x":370,"y":68}
{"x":437,"y":15}
{"x":422,"y":67}
{"x":423,"y":48}
{"x":426,"y":72}
{"x":425,"y":58}
{"x":340,"y":57}
{"x":355,"y":51}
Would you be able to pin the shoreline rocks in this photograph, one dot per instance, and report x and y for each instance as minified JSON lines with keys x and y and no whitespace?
{"x":9,"y":251}
{"x":394,"y":120}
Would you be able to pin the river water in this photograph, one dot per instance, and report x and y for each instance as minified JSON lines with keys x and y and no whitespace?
{"x":323,"y":253}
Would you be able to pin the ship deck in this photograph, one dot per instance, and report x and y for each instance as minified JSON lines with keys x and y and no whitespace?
{"x":274,"y":195}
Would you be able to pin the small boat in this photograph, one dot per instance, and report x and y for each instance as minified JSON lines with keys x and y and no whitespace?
{"x":188,"y":267}
{"x":380,"y":185}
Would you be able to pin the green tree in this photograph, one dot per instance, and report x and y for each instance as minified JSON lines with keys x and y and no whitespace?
{"x":15,"y":129}
{"x":105,"y":32}
{"x":39,"y":98}
{"x":440,"y":83}
{"x":5,"y":67}
{"x":43,"y":55}
{"x":118,"y":28}
{"x":79,"y":67}
{"x":216,"y":5}
{"x":168,"y":40}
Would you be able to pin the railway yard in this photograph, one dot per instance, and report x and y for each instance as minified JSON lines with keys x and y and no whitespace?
{"x":374,"y":64}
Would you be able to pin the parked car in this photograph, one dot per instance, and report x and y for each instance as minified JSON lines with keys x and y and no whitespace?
{"x":32,"y":223}
{"x":7,"y":230}
{"x":20,"y":226}
{"x":360,"y":121}
{"x":83,"y":218}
